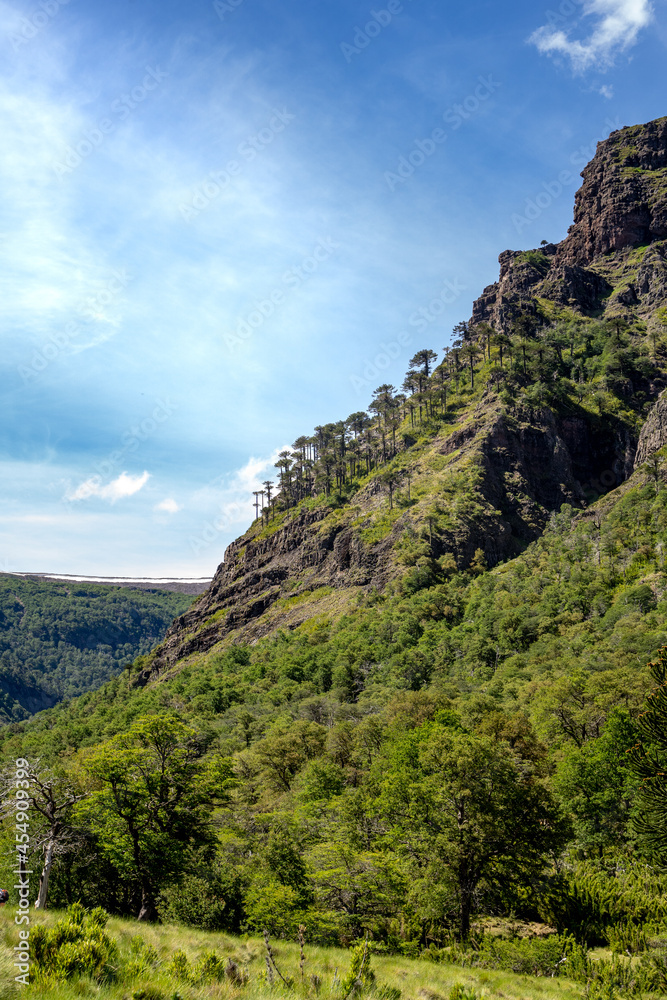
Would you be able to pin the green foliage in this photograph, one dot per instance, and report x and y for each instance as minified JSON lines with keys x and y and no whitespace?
{"x":649,"y":763}
{"x":200,"y":902}
{"x":360,"y":976}
{"x":156,"y":788}
{"x":537,"y":956}
{"x":59,"y":640}
{"x":466,"y":809}
{"x":424,"y":756}
{"x":179,"y":967}
{"x":459,"y":991}
{"x":76,"y":946}
{"x":599,"y":902}
{"x":540,"y":261}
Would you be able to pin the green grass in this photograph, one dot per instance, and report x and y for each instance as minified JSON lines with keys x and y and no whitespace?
{"x":416,"y":979}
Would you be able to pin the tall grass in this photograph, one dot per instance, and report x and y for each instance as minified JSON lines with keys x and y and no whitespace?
{"x":146,"y":971}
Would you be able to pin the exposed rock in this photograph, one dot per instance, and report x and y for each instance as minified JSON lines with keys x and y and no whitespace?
{"x":528,"y":466}
{"x":654,"y":432}
{"x":599,"y":268}
{"x":623,"y":200}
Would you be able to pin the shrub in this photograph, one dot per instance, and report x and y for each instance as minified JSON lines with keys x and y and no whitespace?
{"x":75,"y":945}
{"x":360,"y":975}
{"x":180,"y":968}
{"x":210,"y":968}
{"x":196,"y":902}
{"x":529,"y":956}
{"x":626,"y":938}
{"x":144,"y":958}
{"x":461,"y":992}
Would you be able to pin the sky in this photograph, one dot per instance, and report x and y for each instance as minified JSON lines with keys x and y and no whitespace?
{"x":224,"y":223}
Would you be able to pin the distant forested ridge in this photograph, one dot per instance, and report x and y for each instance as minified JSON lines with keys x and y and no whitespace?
{"x":58,"y":640}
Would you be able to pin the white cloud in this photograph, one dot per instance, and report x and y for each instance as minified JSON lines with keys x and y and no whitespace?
{"x":124,"y":486}
{"x":619,"y":24}
{"x":168,"y":505}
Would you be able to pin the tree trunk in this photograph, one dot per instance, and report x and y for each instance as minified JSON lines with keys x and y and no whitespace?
{"x":464,"y":915}
{"x":148,"y":912}
{"x":40,"y":904}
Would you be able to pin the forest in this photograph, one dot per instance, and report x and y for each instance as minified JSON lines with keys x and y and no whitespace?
{"x":473,"y":748}
{"x":58,"y":640}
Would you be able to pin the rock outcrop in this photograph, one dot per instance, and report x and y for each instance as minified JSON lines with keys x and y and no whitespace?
{"x":654,"y":432}
{"x":517,"y":470}
{"x":623,"y":200}
{"x":614,"y":259}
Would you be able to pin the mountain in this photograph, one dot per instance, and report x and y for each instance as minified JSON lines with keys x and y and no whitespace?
{"x":59,"y":639}
{"x":511,"y":450}
{"x":414,"y":692}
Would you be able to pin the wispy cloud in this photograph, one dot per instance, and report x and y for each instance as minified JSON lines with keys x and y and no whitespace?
{"x":124,"y":486}
{"x":618,"y":25}
{"x":168,"y":506}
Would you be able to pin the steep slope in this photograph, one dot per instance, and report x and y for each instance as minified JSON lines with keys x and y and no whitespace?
{"x":561,"y":632}
{"x":508,"y":450}
{"x":474,"y":581}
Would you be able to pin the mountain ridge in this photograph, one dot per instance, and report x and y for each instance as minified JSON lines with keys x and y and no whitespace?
{"x":516,"y":450}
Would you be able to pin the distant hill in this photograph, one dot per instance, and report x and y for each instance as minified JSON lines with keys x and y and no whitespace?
{"x":61,"y":638}
{"x":187,"y":585}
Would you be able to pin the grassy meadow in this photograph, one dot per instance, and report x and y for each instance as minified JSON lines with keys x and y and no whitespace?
{"x":145,"y":957}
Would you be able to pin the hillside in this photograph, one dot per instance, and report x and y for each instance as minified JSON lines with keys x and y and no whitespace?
{"x":59,"y":639}
{"x":413,"y":700}
{"x":220,"y":965}
{"x":540,"y":404}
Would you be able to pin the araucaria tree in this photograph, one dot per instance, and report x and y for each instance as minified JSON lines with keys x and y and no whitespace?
{"x":649,"y":762}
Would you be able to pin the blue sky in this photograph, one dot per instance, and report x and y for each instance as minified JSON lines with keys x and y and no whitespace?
{"x":225,"y":223}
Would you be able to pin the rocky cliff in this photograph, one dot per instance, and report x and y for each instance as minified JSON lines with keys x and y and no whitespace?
{"x":654,"y":432}
{"x":613,"y":261}
{"x":485,"y":485}
{"x":623,"y":200}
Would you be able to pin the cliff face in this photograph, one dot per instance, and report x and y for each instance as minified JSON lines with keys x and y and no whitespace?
{"x":493,"y":479}
{"x":614,"y":260}
{"x":623,"y":200}
{"x":492,"y":483}
{"x":654,"y":432}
